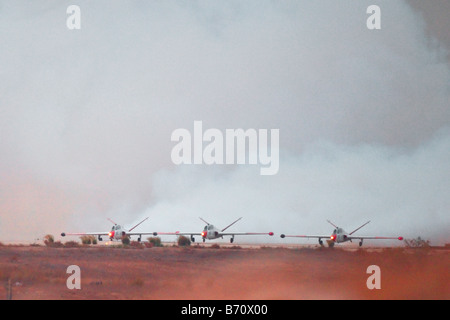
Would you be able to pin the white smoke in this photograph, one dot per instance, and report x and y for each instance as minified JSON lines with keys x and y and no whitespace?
{"x":402,"y":193}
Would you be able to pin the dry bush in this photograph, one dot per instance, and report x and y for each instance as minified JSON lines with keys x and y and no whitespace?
{"x":71,"y":244}
{"x":88,"y":240}
{"x":153,"y":242}
{"x":126,"y":241}
{"x":184,"y":241}
{"x":417,"y":243}
{"x":49,"y":240}
{"x":57,"y":244}
{"x":136,"y":245}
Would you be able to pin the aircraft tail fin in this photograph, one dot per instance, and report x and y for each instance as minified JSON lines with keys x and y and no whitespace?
{"x":207,"y":223}
{"x":358,"y":228}
{"x":138,"y":224}
{"x":112,"y":221}
{"x":332,"y":224}
{"x":231,"y":224}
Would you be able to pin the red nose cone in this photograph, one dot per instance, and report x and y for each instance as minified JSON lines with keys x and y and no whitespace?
{"x":270,"y":233}
{"x":204,"y":233}
{"x":111,"y":234}
{"x":333,"y":237}
{"x":400,"y":238}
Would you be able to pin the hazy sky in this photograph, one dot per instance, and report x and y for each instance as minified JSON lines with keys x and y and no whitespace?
{"x":86,"y":115}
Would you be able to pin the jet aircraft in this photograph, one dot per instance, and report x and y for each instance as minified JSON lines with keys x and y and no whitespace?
{"x":211,"y":232}
{"x":340,"y":235}
{"x":117,"y":232}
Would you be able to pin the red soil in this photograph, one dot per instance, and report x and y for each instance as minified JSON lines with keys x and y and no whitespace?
{"x":211,"y":273}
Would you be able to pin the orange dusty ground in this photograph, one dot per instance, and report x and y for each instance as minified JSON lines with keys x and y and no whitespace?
{"x":223,"y":273}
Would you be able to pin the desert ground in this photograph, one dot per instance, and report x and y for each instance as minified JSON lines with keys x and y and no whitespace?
{"x":220,"y":272}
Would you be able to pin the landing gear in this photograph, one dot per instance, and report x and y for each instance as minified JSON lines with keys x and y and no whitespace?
{"x":231,"y":239}
{"x":100,"y":238}
{"x":361,"y":242}
{"x":321,"y":242}
{"x":192,"y":239}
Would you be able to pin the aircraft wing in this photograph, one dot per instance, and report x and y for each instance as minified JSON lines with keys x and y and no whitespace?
{"x":375,"y":238}
{"x":107,"y":234}
{"x":86,"y":234}
{"x":245,"y":233}
{"x":178,"y":233}
{"x":141,"y":233}
{"x":306,"y":236}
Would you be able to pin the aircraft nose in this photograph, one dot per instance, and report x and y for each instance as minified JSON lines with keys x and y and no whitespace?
{"x":204,"y":233}
{"x":111,"y":234}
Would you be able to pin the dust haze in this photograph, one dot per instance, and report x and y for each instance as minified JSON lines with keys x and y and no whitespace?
{"x":86,"y":116}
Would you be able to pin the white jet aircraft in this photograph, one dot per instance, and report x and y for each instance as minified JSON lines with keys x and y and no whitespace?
{"x":117,"y":232}
{"x":339,"y":235}
{"x":210,"y":232}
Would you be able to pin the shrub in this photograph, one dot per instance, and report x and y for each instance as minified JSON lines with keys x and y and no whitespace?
{"x":88,"y":240}
{"x":49,"y":240}
{"x":126,"y":240}
{"x":71,"y":244}
{"x":136,"y":244}
{"x":417,"y":243}
{"x":57,"y":244}
{"x":153,"y":242}
{"x":184,"y":241}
